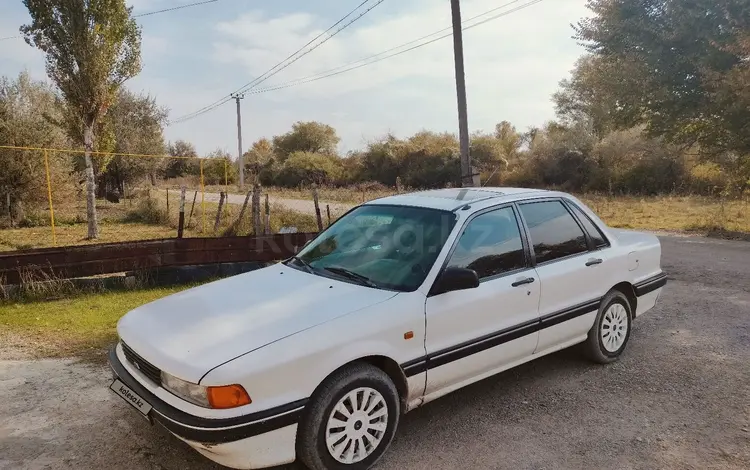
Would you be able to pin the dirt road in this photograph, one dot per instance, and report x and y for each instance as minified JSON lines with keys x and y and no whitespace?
{"x":300,"y":205}
{"x":678,"y":399}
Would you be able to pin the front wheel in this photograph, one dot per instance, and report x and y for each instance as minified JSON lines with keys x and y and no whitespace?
{"x":351,"y":420}
{"x":611,"y":331}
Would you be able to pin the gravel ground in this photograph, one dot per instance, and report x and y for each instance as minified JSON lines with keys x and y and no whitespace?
{"x":678,"y":399}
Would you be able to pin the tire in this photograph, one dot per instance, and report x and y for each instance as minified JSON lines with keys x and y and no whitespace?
{"x":614,"y":314}
{"x":361,"y":385}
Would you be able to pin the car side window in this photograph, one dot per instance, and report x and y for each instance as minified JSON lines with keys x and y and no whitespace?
{"x":553,"y":230}
{"x":490,"y":244}
{"x":596,"y":235}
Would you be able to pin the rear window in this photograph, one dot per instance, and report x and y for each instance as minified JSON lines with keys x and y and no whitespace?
{"x":554,"y":232}
{"x":596,"y":235}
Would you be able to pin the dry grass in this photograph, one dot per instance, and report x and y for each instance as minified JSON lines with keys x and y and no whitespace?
{"x":672,"y":213}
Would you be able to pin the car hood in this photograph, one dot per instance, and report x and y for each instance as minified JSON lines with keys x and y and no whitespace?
{"x":189,"y":333}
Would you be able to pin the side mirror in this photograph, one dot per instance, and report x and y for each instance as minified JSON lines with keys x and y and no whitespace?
{"x":456,"y":279}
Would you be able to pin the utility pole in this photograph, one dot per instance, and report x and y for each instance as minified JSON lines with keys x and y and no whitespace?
{"x":467,"y":173}
{"x":240,"y":163}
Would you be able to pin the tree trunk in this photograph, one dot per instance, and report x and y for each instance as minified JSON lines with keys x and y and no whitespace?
{"x":88,"y":142}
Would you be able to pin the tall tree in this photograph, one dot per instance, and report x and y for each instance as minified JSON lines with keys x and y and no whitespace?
{"x":137,"y":124}
{"x":683,"y":68}
{"x":92,"y":47}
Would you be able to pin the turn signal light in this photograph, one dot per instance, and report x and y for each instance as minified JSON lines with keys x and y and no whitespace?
{"x":228,"y":396}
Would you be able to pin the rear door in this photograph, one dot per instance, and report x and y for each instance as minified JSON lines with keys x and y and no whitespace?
{"x":571,"y":274}
{"x":475,"y":332}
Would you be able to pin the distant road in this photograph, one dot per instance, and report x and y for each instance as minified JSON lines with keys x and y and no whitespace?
{"x":299,"y":205}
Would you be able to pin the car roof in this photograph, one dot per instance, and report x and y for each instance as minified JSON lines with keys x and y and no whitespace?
{"x":453,"y":198}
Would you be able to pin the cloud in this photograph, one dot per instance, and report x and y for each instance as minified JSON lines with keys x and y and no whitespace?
{"x":513,"y":65}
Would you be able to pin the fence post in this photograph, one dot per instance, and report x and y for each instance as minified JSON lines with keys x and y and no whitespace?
{"x":318,"y":218}
{"x":268,"y":216}
{"x":190,"y":219}
{"x":257,"y":229}
{"x":181,"y":222}
{"x":203,"y":201}
{"x":218,"y":212}
{"x":167,"y":200}
{"x":239,"y":221}
{"x":49,"y":196}
{"x":398,"y":184}
{"x":328,"y":211}
{"x":226,"y":185}
{"x":10,"y":212}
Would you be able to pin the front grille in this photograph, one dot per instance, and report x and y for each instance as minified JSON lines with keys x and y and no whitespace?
{"x":149,"y":370}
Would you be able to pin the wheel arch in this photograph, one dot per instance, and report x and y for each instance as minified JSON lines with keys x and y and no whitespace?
{"x":628,"y":290}
{"x":387,"y":365}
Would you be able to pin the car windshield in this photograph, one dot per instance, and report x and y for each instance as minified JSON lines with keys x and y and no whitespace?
{"x":388,"y":247}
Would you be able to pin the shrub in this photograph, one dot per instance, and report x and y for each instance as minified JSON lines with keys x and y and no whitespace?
{"x":149,"y":211}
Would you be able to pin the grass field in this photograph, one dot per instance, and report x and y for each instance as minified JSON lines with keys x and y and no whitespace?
{"x":135,"y":220}
{"x":81,"y":325}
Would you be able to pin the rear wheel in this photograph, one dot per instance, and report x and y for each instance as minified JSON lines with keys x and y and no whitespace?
{"x":609,"y":336}
{"x":350,"y":421}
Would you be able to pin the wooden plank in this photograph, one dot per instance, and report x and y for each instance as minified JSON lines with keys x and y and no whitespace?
{"x":106,"y":258}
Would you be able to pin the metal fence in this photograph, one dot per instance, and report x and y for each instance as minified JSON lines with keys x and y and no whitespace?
{"x":43,"y":199}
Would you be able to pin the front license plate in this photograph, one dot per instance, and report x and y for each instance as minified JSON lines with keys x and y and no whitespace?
{"x":124,"y":392}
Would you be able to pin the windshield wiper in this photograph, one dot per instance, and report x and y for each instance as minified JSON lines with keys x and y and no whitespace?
{"x":302,"y":263}
{"x":360,"y":279}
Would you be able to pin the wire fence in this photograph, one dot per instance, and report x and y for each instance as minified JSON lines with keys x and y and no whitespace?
{"x":43,"y":199}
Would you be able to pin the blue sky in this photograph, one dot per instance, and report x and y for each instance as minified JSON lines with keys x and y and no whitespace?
{"x":194,"y":56}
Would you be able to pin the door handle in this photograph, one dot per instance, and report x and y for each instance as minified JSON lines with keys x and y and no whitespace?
{"x":594,"y":261}
{"x":521,"y":282}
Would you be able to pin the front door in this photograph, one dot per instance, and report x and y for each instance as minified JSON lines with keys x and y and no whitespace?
{"x":477,"y":332}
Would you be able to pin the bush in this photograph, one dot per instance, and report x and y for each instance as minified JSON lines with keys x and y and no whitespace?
{"x":149,"y":211}
{"x":304,"y":168}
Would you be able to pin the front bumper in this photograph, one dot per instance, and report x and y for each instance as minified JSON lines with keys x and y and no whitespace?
{"x":270,"y":432}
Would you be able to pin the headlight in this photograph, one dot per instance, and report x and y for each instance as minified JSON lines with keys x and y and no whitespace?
{"x":195,"y":394}
{"x":226,"y":396}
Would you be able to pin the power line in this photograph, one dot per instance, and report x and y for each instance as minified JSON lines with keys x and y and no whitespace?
{"x":349,"y":67}
{"x":368,"y":60}
{"x":140,"y":15}
{"x":298,"y":54}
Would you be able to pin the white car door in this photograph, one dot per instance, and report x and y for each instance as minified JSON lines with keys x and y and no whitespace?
{"x":573,"y":273}
{"x":476,"y":332}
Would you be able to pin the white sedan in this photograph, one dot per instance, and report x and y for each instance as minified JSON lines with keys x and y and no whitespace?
{"x":402,"y":300}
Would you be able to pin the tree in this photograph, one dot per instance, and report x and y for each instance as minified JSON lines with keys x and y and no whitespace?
{"x":587,"y":96}
{"x":313,"y":137}
{"x":682,"y":68}
{"x":186,"y":162}
{"x":137,"y":124}
{"x":219,"y":168}
{"x":303,"y":168}
{"x":28,"y":111}
{"x":91,"y":48}
{"x":259,"y":156}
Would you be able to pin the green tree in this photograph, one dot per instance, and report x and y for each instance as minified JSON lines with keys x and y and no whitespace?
{"x":303,"y":168}
{"x":219,"y":168}
{"x":185,"y":164}
{"x":259,"y":156}
{"x":137,"y":123}
{"x":682,"y":68}
{"x":28,"y":111}
{"x":313,"y":137}
{"x":91,"y":48}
